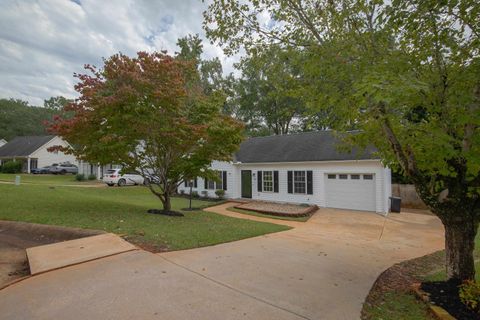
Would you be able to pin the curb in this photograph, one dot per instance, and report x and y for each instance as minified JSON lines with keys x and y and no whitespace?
{"x":436,"y":311}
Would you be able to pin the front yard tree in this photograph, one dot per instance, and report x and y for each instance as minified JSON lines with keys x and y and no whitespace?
{"x":406,"y":72}
{"x":145,"y":114}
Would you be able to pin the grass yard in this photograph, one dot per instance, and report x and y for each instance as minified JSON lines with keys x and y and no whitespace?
{"x":263,"y":215}
{"x":46,"y":179}
{"x":123,"y":211}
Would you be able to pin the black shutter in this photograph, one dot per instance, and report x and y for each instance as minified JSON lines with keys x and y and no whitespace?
{"x":259,"y":181}
{"x":185,"y":183}
{"x":275,"y":181}
{"x":309,"y":182}
{"x":206,"y":183}
{"x":225,"y":180}
{"x":290,"y":181}
{"x":195,"y":182}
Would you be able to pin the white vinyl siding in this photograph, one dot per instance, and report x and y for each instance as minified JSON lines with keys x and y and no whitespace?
{"x":46,"y":158}
{"x":320,"y":172}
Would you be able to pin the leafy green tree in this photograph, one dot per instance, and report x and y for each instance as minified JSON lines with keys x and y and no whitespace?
{"x":405,"y":72}
{"x":267,"y":93}
{"x":18,"y":118}
{"x":56,"y":103}
{"x":134,"y":112}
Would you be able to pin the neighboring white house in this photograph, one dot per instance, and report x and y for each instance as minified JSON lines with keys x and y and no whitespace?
{"x":97,"y":170}
{"x":3,"y":142}
{"x":305,"y":168}
{"x":33,"y":152}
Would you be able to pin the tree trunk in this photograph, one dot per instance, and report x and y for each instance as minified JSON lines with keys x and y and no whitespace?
{"x":167,"y":206}
{"x":459,"y":246}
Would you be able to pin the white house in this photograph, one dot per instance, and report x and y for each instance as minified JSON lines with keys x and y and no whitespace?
{"x":33,"y":152}
{"x":304,"y":168}
{"x":3,"y":142}
{"x":97,"y":170}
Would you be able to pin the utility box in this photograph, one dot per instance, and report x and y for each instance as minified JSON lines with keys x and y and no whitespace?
{"x":395,"y":204}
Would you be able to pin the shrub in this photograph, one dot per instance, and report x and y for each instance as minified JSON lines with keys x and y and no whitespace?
{"x":470,"y":295}
{"x":80,"y":177}
{"x":195,"y":194}
{"x":220,"y":193}
{"x":92,"y":177}
{"x":12,"y":167}
{"x":205,"y":193}
{"x":182,"y":192}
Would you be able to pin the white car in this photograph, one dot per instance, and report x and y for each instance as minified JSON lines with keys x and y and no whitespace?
{"x":114,"y":177}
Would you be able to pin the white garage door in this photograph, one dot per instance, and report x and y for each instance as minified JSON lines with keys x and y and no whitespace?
{"x":350,"y":191}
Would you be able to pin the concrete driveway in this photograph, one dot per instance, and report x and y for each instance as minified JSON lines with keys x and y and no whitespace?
{"x":321,"y":269}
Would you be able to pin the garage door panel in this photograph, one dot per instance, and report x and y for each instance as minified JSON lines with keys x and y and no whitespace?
{"x":356,"y":194}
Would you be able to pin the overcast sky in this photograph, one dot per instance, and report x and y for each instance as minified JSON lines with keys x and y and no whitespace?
{"x":43,"y":42}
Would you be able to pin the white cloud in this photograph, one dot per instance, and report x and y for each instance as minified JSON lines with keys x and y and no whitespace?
{"x":42,"y":43}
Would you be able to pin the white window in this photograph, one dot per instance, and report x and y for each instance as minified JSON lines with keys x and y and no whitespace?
{"x":355,"y":176}
{"x":299,"y":182}
{"x":267,"y":181}
{"x":368,"y":177}
{"x":211,"y":185}
{"x":343,"y":176}
{"x":332,"y":176}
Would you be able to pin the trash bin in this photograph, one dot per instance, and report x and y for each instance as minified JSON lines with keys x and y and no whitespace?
{"x":395,"y":204}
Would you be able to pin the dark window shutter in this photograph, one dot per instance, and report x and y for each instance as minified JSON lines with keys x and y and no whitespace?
{"x":259,"y":181}
{"x":225,"y":180}
{"x":195,"y":182}
{"x":206,"y":183}
{"x":290,"y":181}
{"x":309,"y":182}
{"x":185,"y":183}
{"x":275,"y":181}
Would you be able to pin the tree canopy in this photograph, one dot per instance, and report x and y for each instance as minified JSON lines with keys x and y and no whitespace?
{"x":147,"y":114}
{"x":404,"y":72}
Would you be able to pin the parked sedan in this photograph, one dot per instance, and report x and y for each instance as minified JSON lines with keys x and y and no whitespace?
{"x":64,"y":168}
{"x":114,"y":177}
{"x":42,"y":170}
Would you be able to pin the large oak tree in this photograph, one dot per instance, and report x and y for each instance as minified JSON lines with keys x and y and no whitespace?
{"x":149,"y":114}
{"x":406,"y":72}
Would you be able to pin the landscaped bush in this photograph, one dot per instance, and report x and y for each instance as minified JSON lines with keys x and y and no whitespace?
{"x":195,"y":194}
{"x":92,"y":177}
{"x":80,"y":177}
{"x":470,"y":295}
{"x":182,"y":192}
{"x":220,"y":193}
{"x":205,"y":193}
{"x":12,"y":167}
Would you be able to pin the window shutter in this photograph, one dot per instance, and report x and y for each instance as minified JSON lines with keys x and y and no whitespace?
{"x":195,"y":182}
{"x":206,"y":183}
{"x":275,"y":181}
{"x":259,"y":181}
{"x":185,"y":183}
{"x":290,"y":181}
{"x":225,"y":180}
{"x":309,"y":182}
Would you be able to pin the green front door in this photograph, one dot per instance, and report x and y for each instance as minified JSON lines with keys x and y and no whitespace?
{"x":246,"y":183}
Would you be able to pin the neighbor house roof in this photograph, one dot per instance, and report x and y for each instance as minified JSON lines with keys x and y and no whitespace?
{"x":299,"y":147}
{"x":23,"y":146}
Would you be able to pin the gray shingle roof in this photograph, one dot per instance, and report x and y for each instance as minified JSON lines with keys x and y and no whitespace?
{"x":23,"y":146}
{"x":306,"y":146}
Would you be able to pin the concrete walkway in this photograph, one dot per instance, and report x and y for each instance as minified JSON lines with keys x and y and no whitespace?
{"x":321,"y":269}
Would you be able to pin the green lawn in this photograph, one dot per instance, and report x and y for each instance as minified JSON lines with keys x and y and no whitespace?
{"x":46,"y":179}
{"x":123,"y":211}
{"x":258,"y":214}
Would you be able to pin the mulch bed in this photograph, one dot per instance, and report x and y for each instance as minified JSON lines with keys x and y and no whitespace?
{"x":445,"y":295}
{"x":278,"y":209}
{"x":166,"y":213}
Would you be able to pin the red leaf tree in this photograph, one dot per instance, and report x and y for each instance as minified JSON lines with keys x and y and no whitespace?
{"x":148,"y":114}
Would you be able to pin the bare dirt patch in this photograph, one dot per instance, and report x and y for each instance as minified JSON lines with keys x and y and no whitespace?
{"x":15,"y":237}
